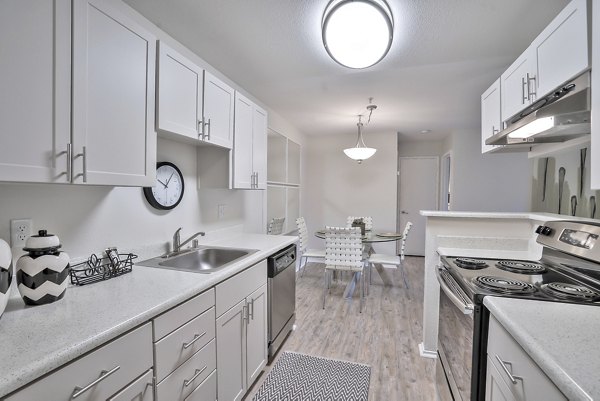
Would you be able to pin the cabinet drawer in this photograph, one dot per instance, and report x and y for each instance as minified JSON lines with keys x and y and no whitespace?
{"x":183,"y":343}
{"x":126,"y":357}
{"x":140,"y":390}
{"x":176,"y":317}
{"x":531,"y":382}
{"x":231,"y":291}
{"x":206,"y":391}
{"x":192,"y":372}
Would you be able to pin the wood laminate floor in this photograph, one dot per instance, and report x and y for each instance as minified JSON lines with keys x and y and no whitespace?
{"x":386,"y":335}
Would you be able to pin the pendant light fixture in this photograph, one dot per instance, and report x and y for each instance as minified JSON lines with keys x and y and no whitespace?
{"x":357,"y":33}
{"x":360,"y":151}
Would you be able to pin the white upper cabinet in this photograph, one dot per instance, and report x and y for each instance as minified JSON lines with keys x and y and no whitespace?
{"x":595,"y":145}
{"x":218,"y":111}
{"x":518,"y":84}
{"x":562,"y":50}
{"x":559,"y":54}
{"x":250,"y":146}
{"x":192,"y":103}
{"x":77,"y":94}
{"x":491,"y":121}
{"x":114,"y":142}
{"x":179,"y":94}
{"x":35,"y":87}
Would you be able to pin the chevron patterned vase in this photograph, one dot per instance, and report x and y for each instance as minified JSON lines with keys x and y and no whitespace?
{"x":42,"y":274}
{"x":5,"y":274}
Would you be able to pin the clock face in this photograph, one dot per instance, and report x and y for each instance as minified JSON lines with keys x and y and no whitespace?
{"x":167,"y":191}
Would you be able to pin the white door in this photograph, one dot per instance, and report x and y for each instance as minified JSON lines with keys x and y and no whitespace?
{"x":259,"y":147}
{"x":35,"y":90}
{"x":179,"y":94}
{"x":516,"y":83}
{"x":491,"y":121}
{"x":418,"y":190}
{"x":256,"y":339}
{"x":231,"y":353}
{"x":114,"y":58}
{"x":218,"y":111}
{"x":242,"y":149}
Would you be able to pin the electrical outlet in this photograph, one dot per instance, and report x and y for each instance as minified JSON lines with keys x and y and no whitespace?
{"x":20,"y":230}
{"x":221,"y":211}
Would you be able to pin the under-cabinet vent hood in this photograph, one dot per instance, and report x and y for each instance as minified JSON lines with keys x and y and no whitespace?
{"x":562,"y":115}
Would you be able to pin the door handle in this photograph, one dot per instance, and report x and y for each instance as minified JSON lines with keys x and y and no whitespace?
{"x":403,"y":212}
{"x":103,"y":375}
{"x":531,"y":94}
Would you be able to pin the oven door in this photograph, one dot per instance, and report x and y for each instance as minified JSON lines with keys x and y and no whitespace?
{"x":455,"y":340}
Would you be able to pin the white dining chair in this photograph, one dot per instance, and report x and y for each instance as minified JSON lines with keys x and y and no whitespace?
{"x":392,"y":260}
{"x":275,"y":226}
{"x":344,"y":252}
{"x":368,"y":220}
{"x":303,"y":250}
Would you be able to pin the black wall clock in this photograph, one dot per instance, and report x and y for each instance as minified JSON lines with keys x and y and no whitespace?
{"x":167,"y":191}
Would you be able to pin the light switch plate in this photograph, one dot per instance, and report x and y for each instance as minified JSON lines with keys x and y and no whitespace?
{"x":20,"y":230}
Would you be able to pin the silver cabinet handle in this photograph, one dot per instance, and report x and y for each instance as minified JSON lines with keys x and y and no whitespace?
{"x":523,"y":84}
{"x":531,"y":94}
{"x":494,"y":130}
{"x":200,"y":129}
{"x":191,"y":379}
{"x":251,"y":313}
{"x":69,"y":162}
{"x":208,"y":131}
{"x":244,"y":308}
{"x":512,"y":378}
{"x":77,"y":391}
{"x":196,"y":338}
{"x":83,"y":155}
{"x":252,"y":180}
{"x":256,"y":180}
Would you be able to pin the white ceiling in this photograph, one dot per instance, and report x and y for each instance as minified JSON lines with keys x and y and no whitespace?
{"x":444,"y":55}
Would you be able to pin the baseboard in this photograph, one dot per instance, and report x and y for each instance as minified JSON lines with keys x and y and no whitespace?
{"x":426,"y":353}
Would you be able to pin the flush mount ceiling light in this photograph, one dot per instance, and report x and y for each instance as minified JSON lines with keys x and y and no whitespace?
{"x":357,"y":33}
{"x":360,"y":151}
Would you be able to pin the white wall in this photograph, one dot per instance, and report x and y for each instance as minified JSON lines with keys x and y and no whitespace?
{"x":498,"y":182}
{"x":336,"y":186}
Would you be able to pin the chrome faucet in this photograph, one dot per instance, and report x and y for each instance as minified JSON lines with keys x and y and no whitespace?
{"x":177,"y":244}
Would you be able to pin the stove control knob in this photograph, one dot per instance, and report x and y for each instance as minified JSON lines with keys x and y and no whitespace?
{"x":546,"y":231}
{"x":539,"y":229}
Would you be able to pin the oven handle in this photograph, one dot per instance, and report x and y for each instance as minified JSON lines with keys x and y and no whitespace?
{"x":457,"y":299}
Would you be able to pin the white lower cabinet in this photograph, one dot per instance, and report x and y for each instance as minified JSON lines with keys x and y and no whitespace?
{"x":141,"y":389}
{"x":512,"y":374}
{"x":99,"y":375}
{"x":241,"y":331}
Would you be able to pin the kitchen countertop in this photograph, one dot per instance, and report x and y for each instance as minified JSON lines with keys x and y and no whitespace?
{"x":39,"y":339}
{"x":561,"y":338}
{"x":502,"y":215}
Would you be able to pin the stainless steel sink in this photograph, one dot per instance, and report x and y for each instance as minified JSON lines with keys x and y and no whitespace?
{"x":200,"y":260}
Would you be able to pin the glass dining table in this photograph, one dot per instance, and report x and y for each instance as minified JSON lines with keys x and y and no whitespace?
{"x":371,"y":237}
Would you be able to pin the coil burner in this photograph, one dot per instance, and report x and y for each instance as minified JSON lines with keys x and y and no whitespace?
{"x":571,"y":292}
{"x":503,"y":285}
{"x":471,"y":264}
{"x":521,"y":267}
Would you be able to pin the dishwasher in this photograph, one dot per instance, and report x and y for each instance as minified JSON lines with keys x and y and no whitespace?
{"x":281,"y":298}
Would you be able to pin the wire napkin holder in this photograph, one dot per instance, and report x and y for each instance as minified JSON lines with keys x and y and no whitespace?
{"x":99,"y":269}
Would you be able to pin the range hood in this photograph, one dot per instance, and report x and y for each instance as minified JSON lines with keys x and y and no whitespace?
{"x":558,"y":117}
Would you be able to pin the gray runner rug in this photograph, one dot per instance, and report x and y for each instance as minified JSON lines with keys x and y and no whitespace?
{"x":299,"y":377}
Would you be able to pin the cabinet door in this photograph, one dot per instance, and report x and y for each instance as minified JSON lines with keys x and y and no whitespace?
{"x":256,"y":338}
{"x":565,"y":37}
{"x":139,"y":390}
{"x":514,"y":84}
{"x":113,"y":97}
{"x":231,"y":352}
{"x":259,"y":147}
{"x":491,"y":121}
{"x":595,"y":135}
{"x":35,"y":83}
{"x":495,"y":387}
{"x":179,"y":94}
{"x":218,"y":111}
{"x":242,"y":149}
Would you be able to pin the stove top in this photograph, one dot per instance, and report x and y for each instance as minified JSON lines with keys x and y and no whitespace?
{"x":555,"y":277}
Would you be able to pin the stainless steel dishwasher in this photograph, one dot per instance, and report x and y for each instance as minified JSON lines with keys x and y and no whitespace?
{"x":281,"y":296}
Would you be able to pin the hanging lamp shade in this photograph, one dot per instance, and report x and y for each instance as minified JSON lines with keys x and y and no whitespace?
{"x":357,"y":33}
{"x":360,"y":152}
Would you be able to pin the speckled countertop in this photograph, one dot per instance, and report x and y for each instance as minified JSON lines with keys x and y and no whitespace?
{"x":561,"y":338}
{"x":501,"y":215}
{"x":37,"y":340}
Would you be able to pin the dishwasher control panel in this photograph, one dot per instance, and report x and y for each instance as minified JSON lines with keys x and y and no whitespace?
{"x":279,"y":261}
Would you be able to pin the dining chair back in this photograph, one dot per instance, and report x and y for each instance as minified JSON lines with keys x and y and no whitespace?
{"x":407,"y":228}
{"x":392,"y":260}
{"x":303,"y":250}
{"x":343,"y":252}
{"x":275,"y":226}
{"x":368,"y":220}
